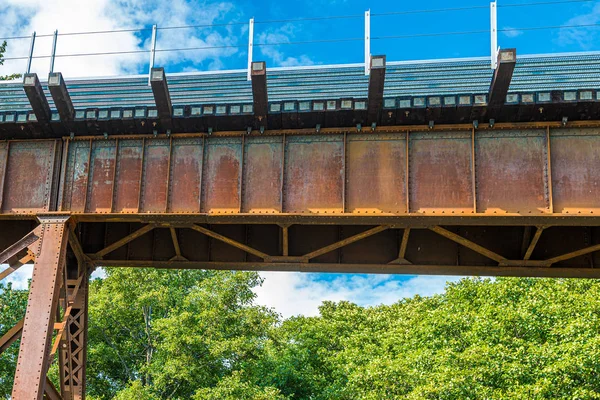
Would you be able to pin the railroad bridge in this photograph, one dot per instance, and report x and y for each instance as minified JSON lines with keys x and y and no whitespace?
{"x":437,"y":167}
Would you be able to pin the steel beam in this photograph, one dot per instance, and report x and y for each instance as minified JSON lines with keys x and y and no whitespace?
{"x":37,"y":98}
{"x":60,"y":95}
{"x":376,"y":81}
{"x":33,"y":361}
{"x":259,"y":93}
{"x":507,"y":59}
{"x":73,"y":344}
{"x":162,"y":97}
{"x":410,"y":269}
{"x":11,"y":336}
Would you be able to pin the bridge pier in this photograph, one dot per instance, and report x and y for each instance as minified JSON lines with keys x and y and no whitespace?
{"x":57,"y":301}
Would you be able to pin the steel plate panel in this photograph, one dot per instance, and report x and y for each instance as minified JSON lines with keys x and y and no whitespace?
{"x":223,"y":159}
{"x":155,"y":176}
{"x":511,"y":172}
{"x":76,"y":176}
{"x":29,"y":174}
{"x":102,"y":171}
{"x":314,"y":169}
{"x":127,"y":179}
{"x":376,"y":174}
{"x":263,"y":160}
{"x":185,"y":176}
{"x":440,"y":167}
{"x":3,"y":165}
{"x":575,"y":160}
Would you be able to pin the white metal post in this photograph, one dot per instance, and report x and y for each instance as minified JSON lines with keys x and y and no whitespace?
{"x":367,"y":42}
{"x":30,"y":53}
{"x":493,"y":35}
{"x":54,"y":40}
{"x":152,"y":52}
{"x":250,"y":46}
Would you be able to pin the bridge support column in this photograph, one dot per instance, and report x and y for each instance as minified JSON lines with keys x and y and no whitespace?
{"x":73,"y":346}
{"x":38,"y":325}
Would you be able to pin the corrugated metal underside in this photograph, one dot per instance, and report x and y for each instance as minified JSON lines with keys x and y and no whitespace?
{"x":531,"y":74}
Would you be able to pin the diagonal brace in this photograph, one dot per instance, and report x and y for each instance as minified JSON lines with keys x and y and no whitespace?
{"x":345,"y":242}
{"x":467,"y":243}
{"x":229,"y":241}
{"x":122,"y":242}
{"x":9,"y":337}
{"x":26,"y":241}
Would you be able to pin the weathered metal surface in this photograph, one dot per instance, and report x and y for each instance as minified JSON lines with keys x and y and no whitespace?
{"x":128,"y":176}
{"x":314,"y":174}
{"x":185,"y":176}
{"x":575,"y":157}
{"x":102,"y":171}
{"x":73,"y":346}
{"x":153,"y":197}
{"x":263,"y":162}
{"x":440,"y":170}
{"x":511,"y":172}
{"x":76,"y":177}
{"x":222,"y":175}
{"x":490,"y":172}
{"x":29,"y":176}
{"x":32,"y":363}
{"x":376,"y":174}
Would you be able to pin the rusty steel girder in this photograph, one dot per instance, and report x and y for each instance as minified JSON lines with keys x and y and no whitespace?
{"x":531,"y":171}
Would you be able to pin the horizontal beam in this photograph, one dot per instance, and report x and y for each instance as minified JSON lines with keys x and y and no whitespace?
{"x":454,"y":270}
{"x":413,"y":220}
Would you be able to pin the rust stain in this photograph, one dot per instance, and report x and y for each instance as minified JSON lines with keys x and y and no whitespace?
{"x":223,"y":177}
{"x":576,"y":173}
{"x":154,"y":180}
{"x":78,"y":179}
{"x":101,"y":177}
{"x":28,"y":176}
{"x":440,"y":173}
{"x":376,"y":176}
{"x":262,"y":177}
{"x":186,"y":176}
{"x":314,"y":175}
{"x":510,"y":172}
{"x":127,"y":181}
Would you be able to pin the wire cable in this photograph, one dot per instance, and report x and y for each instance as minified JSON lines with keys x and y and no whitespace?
{"x":274,"y":21}
{"x":543,"y":3}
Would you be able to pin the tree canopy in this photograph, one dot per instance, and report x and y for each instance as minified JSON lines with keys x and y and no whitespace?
{"x":200,"y":335}
{"x":2,"y":51}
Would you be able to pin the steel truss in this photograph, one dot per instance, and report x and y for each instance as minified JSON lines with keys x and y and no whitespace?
{"x":59,"y":289}
{"x":57,"y":302}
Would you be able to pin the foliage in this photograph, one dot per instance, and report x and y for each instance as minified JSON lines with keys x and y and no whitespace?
{"x":174,"y":331}
{"x":198,"y":335}
{"x":12,"y":309}
{"x":6,"y":77}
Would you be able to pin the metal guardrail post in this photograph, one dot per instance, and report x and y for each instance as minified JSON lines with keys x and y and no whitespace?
{"x":53,"y":55}
{"x":152,"y":52}
{"x":367,"y":42}
{"x":30,"y":53}
{"x":493,"y":35}
{"x":250,"y":46}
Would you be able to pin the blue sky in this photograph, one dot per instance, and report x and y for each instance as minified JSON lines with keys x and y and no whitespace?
{"x":289,"y":293}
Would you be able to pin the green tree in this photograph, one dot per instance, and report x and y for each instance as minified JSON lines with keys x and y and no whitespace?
{"x":12,"y":309}
{"x":173,"y":331}
{"x":2,"y":51}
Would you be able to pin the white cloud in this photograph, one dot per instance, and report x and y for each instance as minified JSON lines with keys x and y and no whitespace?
{"x":276,"y":39}
{"x":19,"y":278}
{"x":294,"y":293}
{"x":584,"y":37}
{"x":21,"y":17}
{"x":511,"y":32}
